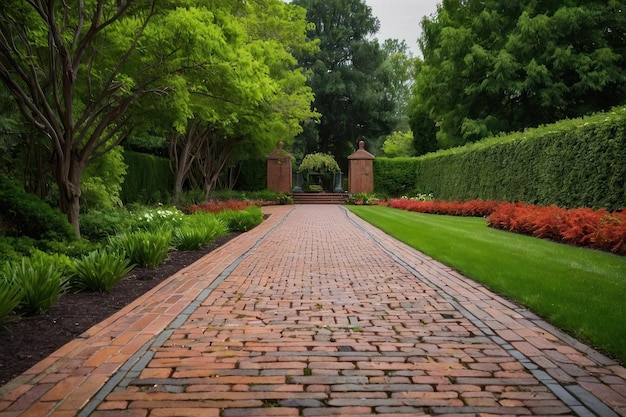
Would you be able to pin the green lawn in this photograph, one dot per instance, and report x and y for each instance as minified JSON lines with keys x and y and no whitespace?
{"x":578,"y":290}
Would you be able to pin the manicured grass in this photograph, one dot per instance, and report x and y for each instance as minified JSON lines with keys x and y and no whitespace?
{"x":578,"y":290}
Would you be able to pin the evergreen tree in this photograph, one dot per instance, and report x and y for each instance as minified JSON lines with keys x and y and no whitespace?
{"x":348,"y":78}
{"x":493,"y":66}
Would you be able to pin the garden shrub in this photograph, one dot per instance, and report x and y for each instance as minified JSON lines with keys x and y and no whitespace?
{"x":97,"y":225}
{"x":10,"y":295}
{"x":100,"y":270}
{"x":242,"y":220}
{"x":25,"y":214}
{"x":40,"y":280}
{"x":198,"y":230}
{"x":101,"y":182}
{"x":146,"y":218}
{"x":143,"y":248}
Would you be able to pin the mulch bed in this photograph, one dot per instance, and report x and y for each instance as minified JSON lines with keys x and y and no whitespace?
{"x":30,"y":339}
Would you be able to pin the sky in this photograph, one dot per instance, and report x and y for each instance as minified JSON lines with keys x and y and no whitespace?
{"x":400,"y":19}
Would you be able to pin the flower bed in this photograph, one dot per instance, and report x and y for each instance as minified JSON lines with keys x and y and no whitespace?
{"x":596,"y":229}
{"x":473,"y":208}
{"x":217,"y":206}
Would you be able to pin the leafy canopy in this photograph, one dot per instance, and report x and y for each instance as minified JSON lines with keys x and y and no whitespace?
{"x":493,"y":66}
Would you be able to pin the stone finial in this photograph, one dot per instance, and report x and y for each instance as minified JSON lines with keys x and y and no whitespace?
{"x":362,"y":144}
{"x":280,"y":145}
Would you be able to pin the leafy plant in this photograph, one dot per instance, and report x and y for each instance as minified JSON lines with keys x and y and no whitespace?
{"x":98,"y":225}
{"x":156,"y":218}
{"x":100,"y":270}
{"x":319,"y":162}
{"x":27,"y":215}
{"x":197,"y":230}
{"x":242,"y":220}
{"x":10,"y":295}
{"x":143,"y":248}
{"x":41,"y":283}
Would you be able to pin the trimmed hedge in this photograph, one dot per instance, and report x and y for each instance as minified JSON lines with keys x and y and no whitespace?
{"x":149,"y":179}
{"x":396,"y":176}
{"x":574,"y":163}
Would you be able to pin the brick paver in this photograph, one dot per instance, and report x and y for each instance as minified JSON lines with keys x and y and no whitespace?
{"x":316,"y":313}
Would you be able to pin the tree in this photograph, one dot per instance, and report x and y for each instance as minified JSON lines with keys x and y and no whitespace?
{"x":259,"y":98}
{"x":399,"y":70}
{"x":346,"y":77}
{"x":79,"y":72}
{"x":492,"y":66}
{"x":399,"y":144}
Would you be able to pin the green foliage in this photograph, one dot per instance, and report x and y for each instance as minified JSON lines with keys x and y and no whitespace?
{"x":10,"y":294}
{"x":197,"y":230}
{"x":491,"y":67}
{"x":159,"y":218}
{"x":25,"y":214}
{"x":319,"y":162}
{"x":40,"y":280}
{"x":399,"y":144}
{"x":102,"y":181}
{"x":242,"y":220}
{"x":100,"y":270}
{"x":148,"y":180}
{"x":351,"y":77}
{"x":575,"y":163}
{"x":97,"y":225}
{"x":253,"y":175}
{"x":578,"y":290}
{"x":395,"y":177}
{"x":143,"y":248}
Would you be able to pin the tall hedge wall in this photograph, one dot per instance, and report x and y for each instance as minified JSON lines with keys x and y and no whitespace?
{"x":253,"y":176}
{"x":148,"y":179}
{"x":575,"y":163}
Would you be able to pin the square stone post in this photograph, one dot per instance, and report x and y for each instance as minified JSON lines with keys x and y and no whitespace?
{"x":361,"y":171}
{"x":279,"y":178}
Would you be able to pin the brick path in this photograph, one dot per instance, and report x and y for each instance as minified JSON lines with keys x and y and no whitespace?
{"x":316,"y":313}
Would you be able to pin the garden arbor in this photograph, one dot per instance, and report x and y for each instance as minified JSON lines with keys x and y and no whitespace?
{"x":320,"y":172}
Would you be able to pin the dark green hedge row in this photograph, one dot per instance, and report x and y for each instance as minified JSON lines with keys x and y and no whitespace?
{"x":148,"y":179}
{"x":576,"y":163}
{"x":253,"y":175}
{"x":395,"y":177}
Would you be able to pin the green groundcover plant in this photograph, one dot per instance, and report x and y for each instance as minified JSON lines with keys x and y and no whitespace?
{"x":100,"y":270}
{"x":41,"y":283}
{"x":143,"y":248}
{"x":198,"y":230}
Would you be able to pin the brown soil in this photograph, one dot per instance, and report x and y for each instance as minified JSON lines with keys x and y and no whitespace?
{"x":27,"y":341}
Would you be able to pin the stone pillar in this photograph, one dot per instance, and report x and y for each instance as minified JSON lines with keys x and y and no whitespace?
{"x":279,"y":170}
{"x":361,"y":171}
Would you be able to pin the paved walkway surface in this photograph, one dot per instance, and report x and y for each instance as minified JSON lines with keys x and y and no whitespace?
{"x":316,"y":313}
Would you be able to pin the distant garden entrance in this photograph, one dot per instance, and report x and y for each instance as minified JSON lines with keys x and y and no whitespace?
{"x":319,"y":173}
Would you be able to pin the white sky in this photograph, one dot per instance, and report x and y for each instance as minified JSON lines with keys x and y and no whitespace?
{"x":400,"y":19}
